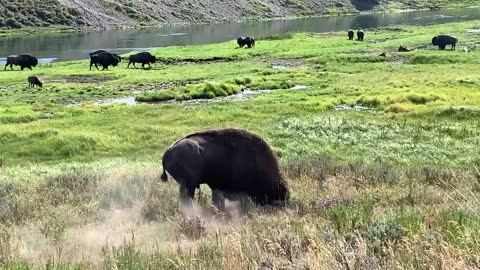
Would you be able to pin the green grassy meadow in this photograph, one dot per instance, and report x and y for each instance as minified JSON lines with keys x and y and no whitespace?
{"x":382,"y":155}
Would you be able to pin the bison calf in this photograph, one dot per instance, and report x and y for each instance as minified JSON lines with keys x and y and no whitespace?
{"x":34,"y":81}
{"x":234,"y":163}
{"x":22,"y":60}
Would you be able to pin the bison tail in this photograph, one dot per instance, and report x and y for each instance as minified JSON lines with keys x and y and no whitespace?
{"x":164,"y":176}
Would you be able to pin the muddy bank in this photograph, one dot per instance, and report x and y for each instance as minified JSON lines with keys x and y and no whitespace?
{"x":131,"y":101}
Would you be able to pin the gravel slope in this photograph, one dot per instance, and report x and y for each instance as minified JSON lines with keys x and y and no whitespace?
{"x":117,"y":13}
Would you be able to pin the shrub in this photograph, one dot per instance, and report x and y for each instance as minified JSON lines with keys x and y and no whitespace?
{"x":396,"y":108}
{"x":207,"y":90}
{"x":192,"y":227}
{"x":381,"y":234}
{"x":347,"y":218}
{"x":72,"y":186}
{"x":421,"y":99}
{"x":317,"y":167}
{"x":160,"y":204}
{"x":155,"y":96}
{"x":369,"y":102}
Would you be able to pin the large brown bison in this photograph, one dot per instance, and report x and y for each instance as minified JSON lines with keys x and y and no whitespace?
{"x":144,"y":58}
{"x":22,"y":60}
{"x":232,"y":162}
{"x":104,"y":59}
{"x":443,"y":40}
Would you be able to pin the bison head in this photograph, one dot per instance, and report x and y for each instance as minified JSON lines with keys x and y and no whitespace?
{"x":153,"y":59}
{"x":434,"y":41}
{"x":117,"y":57}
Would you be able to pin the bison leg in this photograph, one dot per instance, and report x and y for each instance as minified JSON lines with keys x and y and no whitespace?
{"x":218,"y":199}
{"x":186,"y":195}
{"x":245,"y":204}
{"x":129,"y":64}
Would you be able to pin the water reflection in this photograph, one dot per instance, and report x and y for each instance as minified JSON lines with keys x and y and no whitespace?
{"x":68,"y":46}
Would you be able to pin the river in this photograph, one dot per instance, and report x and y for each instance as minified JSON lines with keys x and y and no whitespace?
{"x":72,"y":46}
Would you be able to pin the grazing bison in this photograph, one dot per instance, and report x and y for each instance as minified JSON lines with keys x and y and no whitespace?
{"x":241,"y":42}
{"x":246,"y":41}
{"x":250,"y":42}
{"x":351,"y":34}
{"x":360,"y":35}
{"x":145,"y":58}
{"x":22,"y":60}
{"x":232,"y":162}
{"x":443,"y":40}
{"x":104,"y":59}
{"x":34,"y":81}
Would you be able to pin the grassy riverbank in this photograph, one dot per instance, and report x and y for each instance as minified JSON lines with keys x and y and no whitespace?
{"x":381,"y":153}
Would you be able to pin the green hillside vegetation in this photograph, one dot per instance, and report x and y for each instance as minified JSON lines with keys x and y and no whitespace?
{"x":28,"y":14}
{"x":45,"y":13}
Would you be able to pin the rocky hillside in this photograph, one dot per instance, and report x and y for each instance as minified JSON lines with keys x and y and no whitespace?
{"x":118,"y":13}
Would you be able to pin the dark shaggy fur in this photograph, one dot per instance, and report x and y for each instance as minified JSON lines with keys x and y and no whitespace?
{"x":34,"y":81}
{"x":241,"y":42}
{"x":351,"y":34}
{"x":246,"y":41}
{"x":104,"y":59}
{"x":232,"y":161}
{"x":22,"y":60}
{"x":250,"y":42}
{"x":144,"y":58}
{"x":360,"y":35}
{"x":443,"y":40}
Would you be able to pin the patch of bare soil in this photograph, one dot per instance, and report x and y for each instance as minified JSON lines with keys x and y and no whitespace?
{"x":142,"y":87}
{"x":288,"y":63}
{"x":80,"y":79}
{"x":185,"y":61}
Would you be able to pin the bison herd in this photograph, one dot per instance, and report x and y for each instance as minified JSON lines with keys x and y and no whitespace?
{"x":441,"y":41}
{"x":360,"y":35}
{"x":105,"y":59}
